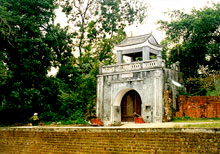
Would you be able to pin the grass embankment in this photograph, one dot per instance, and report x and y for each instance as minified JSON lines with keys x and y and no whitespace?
{"x":68,"y":123}
{"x":204,"y":122}
{"x":211,"y":125}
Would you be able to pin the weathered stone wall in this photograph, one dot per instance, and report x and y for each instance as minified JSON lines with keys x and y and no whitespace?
{"x":112,"y":87}
{"x":171,"y":91}
{"x":148,"y":78}
{"x":108,"y":140}
{"x":175,"y":75}
{"x":199,"y":106}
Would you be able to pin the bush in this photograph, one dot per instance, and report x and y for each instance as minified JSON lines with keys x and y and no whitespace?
{"x":49,"y":116}
{"x":207,"y":84}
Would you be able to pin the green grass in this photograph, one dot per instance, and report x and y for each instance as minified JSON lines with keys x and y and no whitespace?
{"x":79,"y":122}
{"x":211,"y":125}
{"x":188,"y":119}
{"x":215,"y":122}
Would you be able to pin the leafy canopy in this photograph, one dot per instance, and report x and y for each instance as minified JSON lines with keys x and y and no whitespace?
{"x":96,"y":26}
{"x":98,"y":21}
{"x":194,"y":39}
{"x":30,"y":45}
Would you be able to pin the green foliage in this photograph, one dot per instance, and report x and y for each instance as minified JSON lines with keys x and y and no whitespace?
{"x":189,"y":119}
{"x":195,"y":87}
{"x":98,"y":26}
{"x":213,"y":84}
{"x":214,"y":92}
{"x":210,"y":125}
{"x":193,"y":39}
{"x":207,"y":84}
{"x":5,"y":29}
{"x":26,"y":57}
{"x":212,"y":122}
{"x":77,"y":89}
{"x":97,"y":22}
{"x":72,"y":122}
{"x":31,"y":44}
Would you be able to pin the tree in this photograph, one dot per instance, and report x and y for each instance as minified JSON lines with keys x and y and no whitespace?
{"x":30,"y":45}
{"x":97,"y":26}
{"x":97,"y":20}
{"x":194,"y":39}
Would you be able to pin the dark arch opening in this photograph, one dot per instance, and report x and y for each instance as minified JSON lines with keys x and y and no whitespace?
{"x":131,"y":102}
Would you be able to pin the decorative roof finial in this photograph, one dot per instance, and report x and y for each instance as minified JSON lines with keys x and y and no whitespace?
{"x":131,"y":33}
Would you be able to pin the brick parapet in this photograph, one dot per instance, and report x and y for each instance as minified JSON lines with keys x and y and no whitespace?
{"x":108,"y":129}
{"x":108,"y":140}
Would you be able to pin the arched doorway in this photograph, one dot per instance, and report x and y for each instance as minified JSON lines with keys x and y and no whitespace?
{"x":131,"y":102}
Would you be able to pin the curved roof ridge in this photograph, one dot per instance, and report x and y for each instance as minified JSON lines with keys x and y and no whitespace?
{"x":154,"y":41}
{"x":140,"y":35}
{"x":134,"y":40}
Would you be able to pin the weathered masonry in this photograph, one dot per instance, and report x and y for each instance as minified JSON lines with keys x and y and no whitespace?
{"x":136,"y":86}
{"x":71,"y":140}
{"x":198,"y":106}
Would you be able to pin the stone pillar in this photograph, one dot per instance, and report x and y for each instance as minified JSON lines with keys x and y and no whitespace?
{"x":159,"y":60}
{"x":157,"y":108}
{"x":116,"y":114}
{"x":119,"y":57}
{"x":177,"y":66}
{"x":146,"y":53}
{"x":99,"y":103}
{"x":100,"y":68}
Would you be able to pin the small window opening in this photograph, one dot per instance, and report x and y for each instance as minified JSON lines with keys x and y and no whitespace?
{"x":153,"y":56}
{"x":148,"y":108}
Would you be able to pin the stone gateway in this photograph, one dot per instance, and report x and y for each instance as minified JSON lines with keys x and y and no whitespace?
{"x":136,"y":86}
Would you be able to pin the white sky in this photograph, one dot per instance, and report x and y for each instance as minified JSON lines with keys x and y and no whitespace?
{"x":155,"y":13}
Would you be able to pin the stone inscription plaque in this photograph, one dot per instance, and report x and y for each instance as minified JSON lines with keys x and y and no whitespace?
{"x":127,"y":75}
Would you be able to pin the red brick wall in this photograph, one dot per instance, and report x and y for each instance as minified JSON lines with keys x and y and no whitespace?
{"x":199,"y":106}
{"x":108,"y":140}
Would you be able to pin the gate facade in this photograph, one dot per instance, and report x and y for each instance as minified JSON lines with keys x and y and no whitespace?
{"x":136,"y":86}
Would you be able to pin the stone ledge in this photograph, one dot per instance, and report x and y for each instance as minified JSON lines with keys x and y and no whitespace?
{"x":111,"y":129}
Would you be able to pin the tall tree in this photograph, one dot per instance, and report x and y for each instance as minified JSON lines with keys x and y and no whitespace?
{"x":96,"y":26}
{"x":96,"y":20}
{"x":194,"y":39}
{"x":30,"y":45}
